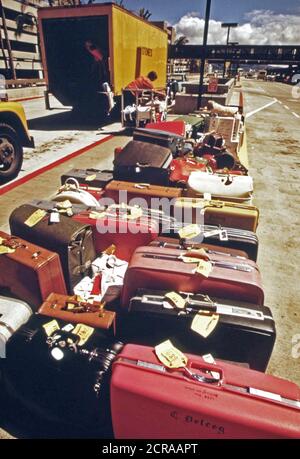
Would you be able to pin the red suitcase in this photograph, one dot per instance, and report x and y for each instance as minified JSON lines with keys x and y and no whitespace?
{"x":125,"y":234}
{"x":150,"y":401}
{"x":30,"y":272}
{"x":164,"y":269}
{"x":182,"y":167}
{"x":175,"y":127}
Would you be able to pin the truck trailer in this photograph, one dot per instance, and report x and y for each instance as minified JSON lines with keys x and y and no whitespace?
{"x":129,"y":46}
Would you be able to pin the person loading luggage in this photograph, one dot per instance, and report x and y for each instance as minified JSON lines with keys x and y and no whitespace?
{"x":143,"y":82}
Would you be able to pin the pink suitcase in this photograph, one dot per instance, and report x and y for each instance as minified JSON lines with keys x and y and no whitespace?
{"x":163,"y":269}
{"x":126,"y":235}
{"x":150,"y":401}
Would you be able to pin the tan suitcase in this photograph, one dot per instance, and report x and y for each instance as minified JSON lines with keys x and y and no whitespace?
{"x":224,"y":213}
{"x":115,"y":190}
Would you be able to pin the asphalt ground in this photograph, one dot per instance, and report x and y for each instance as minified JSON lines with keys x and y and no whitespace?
{"x":273,"y":136}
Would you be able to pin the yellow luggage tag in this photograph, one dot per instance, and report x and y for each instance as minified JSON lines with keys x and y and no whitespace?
{"x":35,"y":218}
{"x":90,"y":178}
{"x":111,"y":250}
{"x":94,"y":215}
{"x":64,"y":205}
{"x":170,"y":356}
{"x":204,"y":268}
{"x":189,"y":232}
{"x":4,"y":249}
{"x":204,"y":323}
{"x":84,"y":332}
{"x":176,"y":300}
{"x":51,"y":327}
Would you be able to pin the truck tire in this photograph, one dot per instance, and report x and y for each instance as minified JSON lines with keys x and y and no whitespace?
{"x":11,"y":153}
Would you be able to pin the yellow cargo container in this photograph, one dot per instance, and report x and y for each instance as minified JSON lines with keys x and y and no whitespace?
{"x":131,"y":46}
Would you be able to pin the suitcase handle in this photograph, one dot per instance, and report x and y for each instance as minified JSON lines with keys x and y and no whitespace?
{"x":141,"y":185}
{"x":205,"y":367}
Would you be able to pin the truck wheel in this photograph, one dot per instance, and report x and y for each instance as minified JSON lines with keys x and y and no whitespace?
{"x":11,"y":153}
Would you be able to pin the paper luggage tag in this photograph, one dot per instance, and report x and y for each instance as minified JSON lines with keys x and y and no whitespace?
{"x":135,"y":213}
{"x":189,"y":232}
{"x":51,"y":327}
{"x":207,"y":196}
{"x":35,"y":218}
{"x":63,"y":205}
{"x":95,"y":215}
{"x":110,"y":250}
{"x":204,"y":268}
{"x":170,"y":356}
{"x":176,"y":300}
{"x":54,"y":217}
{"x":208,"y":358}
{"x":204,"y":324}
{"x":3,"y":249}
{"x":84,"y":332}
{"x":90,"y":178}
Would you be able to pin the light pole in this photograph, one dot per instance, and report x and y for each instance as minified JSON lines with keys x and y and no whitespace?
{"x":227,"y":25}
{"x":202,"y":67}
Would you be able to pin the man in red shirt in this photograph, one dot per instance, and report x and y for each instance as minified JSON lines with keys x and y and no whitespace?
{"x":143,"y":82}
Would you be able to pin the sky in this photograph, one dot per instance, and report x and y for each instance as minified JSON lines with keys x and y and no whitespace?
{"x":260,"y":21}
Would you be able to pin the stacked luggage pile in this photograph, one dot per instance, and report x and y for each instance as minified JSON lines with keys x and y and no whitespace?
{"x":134,"y":306}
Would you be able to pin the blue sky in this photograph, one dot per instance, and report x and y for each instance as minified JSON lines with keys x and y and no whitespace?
{"x":222,"y":10}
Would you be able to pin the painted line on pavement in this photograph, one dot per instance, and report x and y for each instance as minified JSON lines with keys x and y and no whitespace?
{"x":10,"y":186}
{"x":296,"y":115}
{"x":285,"y":106}
{"x":261,"y":108}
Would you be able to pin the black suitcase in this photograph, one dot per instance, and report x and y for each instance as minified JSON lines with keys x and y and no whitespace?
{"x":245,"y":332}
{"x":60,"y":373}
{"x":143,"y":162}
{"x":72,"y":240}
{"x":163,"y":138}
{"x":233,"y":238}
{"x":90,"y":177}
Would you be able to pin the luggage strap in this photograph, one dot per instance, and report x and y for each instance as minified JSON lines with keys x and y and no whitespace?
{"x":206,"y":304}
{"x":8,"y":327}
{"x":247,"y":391}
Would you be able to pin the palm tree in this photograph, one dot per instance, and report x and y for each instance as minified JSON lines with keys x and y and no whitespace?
{"x":182,"y":40}
{"x":144,"y":14}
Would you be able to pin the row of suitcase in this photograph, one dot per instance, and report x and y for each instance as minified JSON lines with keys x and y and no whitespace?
{"x":143,"y":396}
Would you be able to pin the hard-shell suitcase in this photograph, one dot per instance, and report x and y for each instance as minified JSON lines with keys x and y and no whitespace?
{"x":143,"y":162}
{"x":196,"y":123}
{"x":143,"y":194}
{"x":71,"y":239}
{"x":125,"y":233}
{"x":29,"y":272}
{"x":163,"y":138}
{"x":233,"y":188}
{"x":171,"y":243}
{"x":150,"y":401}
{"x":181,"y":169}
{"x":61,"y":372}
{"x":178,"y":270}
{"x":245,"y":332}
{"x":234,"y":215}
{"x":174,"y":127}
{"x":89,"y":177}
{"x":70,"y":309}
{"x":244,"y":240}
{"x":13,"y":314}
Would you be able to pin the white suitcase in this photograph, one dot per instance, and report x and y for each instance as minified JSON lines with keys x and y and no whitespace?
{"x":13,"y":314}
{"x":229,"y":186}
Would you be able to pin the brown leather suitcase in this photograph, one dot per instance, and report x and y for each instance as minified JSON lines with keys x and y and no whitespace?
{"x":70,"y":309}
{"x":120,"y":191}
{"x":171,"y":243}
{"x":30,"y":272}
{"x":231,"y":214}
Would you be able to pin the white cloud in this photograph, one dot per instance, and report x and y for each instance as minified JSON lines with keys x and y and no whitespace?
{"x":262,"y":27}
